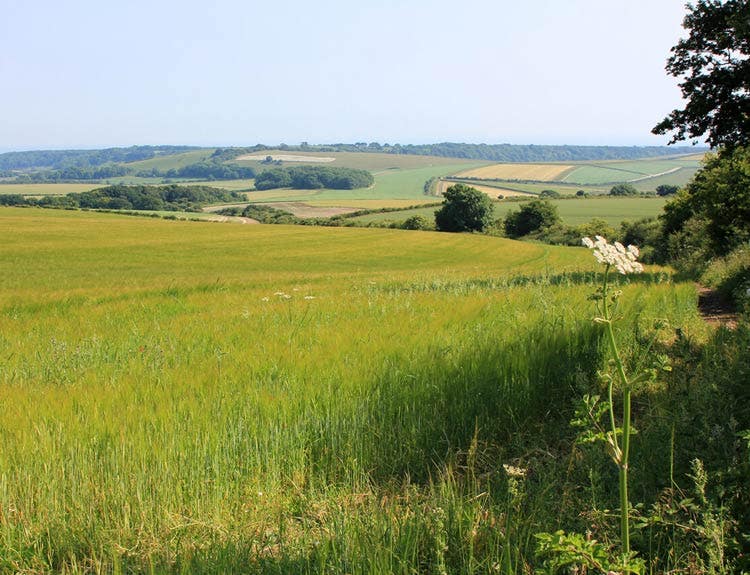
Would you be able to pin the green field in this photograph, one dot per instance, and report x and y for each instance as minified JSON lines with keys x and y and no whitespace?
{"x":372,"y":162}
{"x":47,"y":189}
{"x":645,"y":171}
{"x":573,"y":211}
{"x":173,"y":161}
{"x":407,"y":184}
{"x":184,"y":397}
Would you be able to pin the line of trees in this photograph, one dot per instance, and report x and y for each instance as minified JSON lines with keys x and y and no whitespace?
{"x":313,"y":177}
{"x":205,"y":170}
{"x":171,"y":197}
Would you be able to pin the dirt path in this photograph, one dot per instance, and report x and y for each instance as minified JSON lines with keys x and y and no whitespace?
{"x":715,"y":309}
{"x":236,"y":219}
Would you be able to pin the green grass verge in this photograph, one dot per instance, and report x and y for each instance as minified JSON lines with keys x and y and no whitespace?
{"x":572,"y":212}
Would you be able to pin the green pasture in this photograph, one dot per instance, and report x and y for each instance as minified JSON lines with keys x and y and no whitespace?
{"x":172,"y":161}
{"x":573,"y":211}
{"x":398,"y":184}
{"x":183,"y":397}
{"x":624,"y":171}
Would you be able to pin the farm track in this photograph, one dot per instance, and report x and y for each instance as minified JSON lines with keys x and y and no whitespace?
{"x":715,"y":309}
{"x":651,"y":176}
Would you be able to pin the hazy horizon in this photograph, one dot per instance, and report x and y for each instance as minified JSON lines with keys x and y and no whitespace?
{"x":93,"y":75}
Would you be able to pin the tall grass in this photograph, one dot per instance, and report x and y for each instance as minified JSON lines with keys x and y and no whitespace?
{"x":156,"y":419}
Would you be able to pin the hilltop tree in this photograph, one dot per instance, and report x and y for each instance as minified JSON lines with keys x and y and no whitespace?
{"x":465,"y":209}
{"x":714,"y":64}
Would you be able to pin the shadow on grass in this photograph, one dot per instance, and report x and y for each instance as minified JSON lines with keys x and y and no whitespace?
{"x":565,"y":279}
{"x":511,"y":394}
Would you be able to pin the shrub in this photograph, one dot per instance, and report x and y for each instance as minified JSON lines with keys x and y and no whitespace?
{"x":416,"y":222}
{"x":623,"y":190}
{"x":533,"y":216}
{"x":465,"y":210}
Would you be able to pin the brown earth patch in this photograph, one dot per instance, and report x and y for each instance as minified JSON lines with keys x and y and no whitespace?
{"x":716,"y":309}
{"x":302,"y":210}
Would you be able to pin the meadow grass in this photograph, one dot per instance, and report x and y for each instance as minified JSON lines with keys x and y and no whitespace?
{"x":202,"y":398}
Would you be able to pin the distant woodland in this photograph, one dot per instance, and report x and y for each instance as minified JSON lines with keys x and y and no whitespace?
{"x":49,"y":166}
{"x":171,"y":197}
{"x":313,"y":178}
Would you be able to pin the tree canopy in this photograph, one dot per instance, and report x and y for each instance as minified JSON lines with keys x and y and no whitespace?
{"x":313,"y":177}
{"x":533,"y":216}
{"x":714,"y":65}
{"x":465,"y":209}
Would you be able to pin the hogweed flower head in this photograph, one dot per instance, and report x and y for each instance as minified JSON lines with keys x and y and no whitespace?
{"x":625,"y":260}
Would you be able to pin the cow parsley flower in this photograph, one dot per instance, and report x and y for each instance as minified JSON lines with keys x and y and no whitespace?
{"x":624,"y":260}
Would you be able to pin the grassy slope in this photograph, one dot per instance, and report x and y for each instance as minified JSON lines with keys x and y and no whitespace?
{"x":172,"y":161}
{"x":159,"y":413}
{"x":573,"y":212}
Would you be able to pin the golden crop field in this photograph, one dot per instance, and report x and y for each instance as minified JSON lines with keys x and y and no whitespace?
{"x":538,"y":172}
{"x":489,"y":190}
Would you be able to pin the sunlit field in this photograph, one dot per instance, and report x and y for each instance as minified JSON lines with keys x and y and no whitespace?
{"x":197,"y":397}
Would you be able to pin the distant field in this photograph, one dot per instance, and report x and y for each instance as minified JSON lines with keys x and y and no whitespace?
{"x":540,"y":172}
{"x":364,"y":161}
{"x":631,"y":171}
{"x":492,"y":191}
{"x":399,"y":184}
{"x":171,"y":162}
{"x":47,"y":189}
{"x":572,"y":212}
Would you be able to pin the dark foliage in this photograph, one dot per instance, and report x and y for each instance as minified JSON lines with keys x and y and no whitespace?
{"x":623,"y":190}
{"x":313,"y":177}
{"x":465,"y":210}
{"x":666,"y":190}
{"x":714,"y":65}
{"x":533,"y":216}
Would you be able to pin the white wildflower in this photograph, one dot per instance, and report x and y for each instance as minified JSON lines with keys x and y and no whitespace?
{"x":286,"y":296}
{"x":309,"y":297}
{"x":264,"y":299}
{"x":279,"y":293}
{"x":514,"y":471}
{"x":623,"y":259}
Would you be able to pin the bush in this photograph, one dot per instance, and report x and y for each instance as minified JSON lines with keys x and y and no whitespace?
{"x":623,"y":190}
{"x":666,"y":190}
{"x":533,"y":216}
{"x":416,"y":223}
{"x":549,"y":194}
{"x":730,"y":275}
{"x":465,"y":210}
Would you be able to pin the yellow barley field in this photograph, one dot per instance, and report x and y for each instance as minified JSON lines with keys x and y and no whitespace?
{"x":539,"y":172}
{"x":489,"y":190}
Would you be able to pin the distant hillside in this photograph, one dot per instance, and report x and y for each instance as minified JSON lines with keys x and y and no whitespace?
{"x":61,"y":159}
{"x":73,"y":165}
{"x":489,"y":152}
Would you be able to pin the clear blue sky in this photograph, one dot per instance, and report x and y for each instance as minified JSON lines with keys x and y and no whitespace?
{"x":93,"y":73}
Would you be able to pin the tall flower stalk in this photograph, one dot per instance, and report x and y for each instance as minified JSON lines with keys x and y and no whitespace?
{"x":624,"y":260}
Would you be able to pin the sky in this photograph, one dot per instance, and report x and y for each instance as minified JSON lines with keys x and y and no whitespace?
{"x":94,"y":73}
